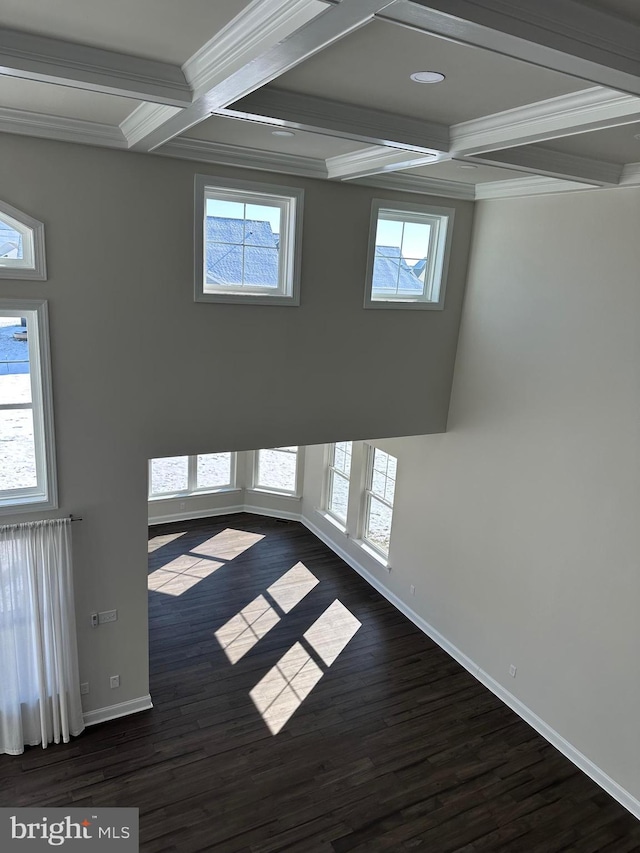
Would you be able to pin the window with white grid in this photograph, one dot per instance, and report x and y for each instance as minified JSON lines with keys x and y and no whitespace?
{"x":276,"y":470}
{"x":379,"y":494}
{"x":338,"y":478}
{"x":180,"y":476}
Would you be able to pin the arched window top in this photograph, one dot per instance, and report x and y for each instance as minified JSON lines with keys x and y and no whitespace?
{"x":21,"y":245}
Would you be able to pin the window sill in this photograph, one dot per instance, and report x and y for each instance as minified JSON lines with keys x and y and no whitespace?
{"x":377,"y":556}
{"x":187,"y":496}
{"x":23,"y":505}
{"x":274,"y":493}
{"x":333,"y":521}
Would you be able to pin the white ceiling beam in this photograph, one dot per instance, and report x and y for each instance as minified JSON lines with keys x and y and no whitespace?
{"x":264,"y":41}
{"x":420,"y":184}
{"x":375,"y":160}
{"x":520,"y":187}
{"x":347,"y":121}
{"x":562,"y":35}
{"x":45,"y":126}
{"x":592,"y":109}
{"x":555,"y":164}
{"x":49,"y":60}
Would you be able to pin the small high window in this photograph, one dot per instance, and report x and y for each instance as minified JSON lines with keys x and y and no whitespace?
{"x":21,"y":245}
{"x":408,"y":255}
{"x":27,"y":451}
{"x":248,"y":238}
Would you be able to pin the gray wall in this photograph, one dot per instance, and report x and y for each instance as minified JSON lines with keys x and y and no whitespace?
{"x":141,"y":371}
{"x":520,"y":527}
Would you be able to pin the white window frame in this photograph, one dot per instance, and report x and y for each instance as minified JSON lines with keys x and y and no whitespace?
{"x":331,"y":473}
{"x":441,"y":221}
{"x":368,"y":493}
{"x":192,"y":479}
{"x":33,"y":265}
{"x":269,"y":490}
{"x":290,"y":201}
{"x":44,"y":495}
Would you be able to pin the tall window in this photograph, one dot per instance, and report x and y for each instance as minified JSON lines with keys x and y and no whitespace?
{"x":247,"y":242}
{"x":408,"y":256}
{"x":338,"y":474}
{"x":379,"y":494}
{"x":177,"y":476}
{"x":27,"y":463}
{"x":276,"y":470}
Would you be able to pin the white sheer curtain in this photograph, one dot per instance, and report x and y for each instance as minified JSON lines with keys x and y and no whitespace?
{"x":39,"y":682}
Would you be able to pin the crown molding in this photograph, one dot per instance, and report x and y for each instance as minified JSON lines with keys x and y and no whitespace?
{"x":335,"y":118}
{"x":373,"y":161}
{"x":144,"y":119}
{"x":561,"y":35}
{"x":420,"y":184}
{"x":591,"y":109}
{"x":60,"y":128}
{"x":520,"y":187}
{"x":49,"y":60}
{"x":261,"y":24}
{"x":555,"y":164}
{"x":630,"y":175}
{"x":205,"y":151}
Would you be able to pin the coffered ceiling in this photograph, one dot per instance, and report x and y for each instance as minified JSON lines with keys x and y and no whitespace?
{"x":538,"y":96}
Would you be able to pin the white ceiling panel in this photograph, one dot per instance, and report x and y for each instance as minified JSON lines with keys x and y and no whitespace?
{"x":253,"y":135}
{"x":156,"y":29}
{"x":63,"y":101}
{"x":372,"y":67}
{"x":454,"y":170}
{"x":616,"y":144}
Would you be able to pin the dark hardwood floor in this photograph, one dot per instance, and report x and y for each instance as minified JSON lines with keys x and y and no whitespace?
{"x":296,"y":710}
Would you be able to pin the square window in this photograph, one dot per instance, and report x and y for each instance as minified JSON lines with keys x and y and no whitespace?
{"x":409,"y":248}
{"x":276,"y":470}
{"x":247,"y":242}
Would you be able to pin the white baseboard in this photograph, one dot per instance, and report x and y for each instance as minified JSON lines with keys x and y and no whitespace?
{"x":122,"y":709}
{"x":551,"y":735}
{"x":194,"y":513}
{"x":284,"y":514}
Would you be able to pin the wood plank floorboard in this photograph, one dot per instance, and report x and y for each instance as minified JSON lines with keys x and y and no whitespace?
{"x":296,"y":711}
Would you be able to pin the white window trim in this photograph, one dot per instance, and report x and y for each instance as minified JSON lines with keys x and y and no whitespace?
{"x":33,"y":266}
{"x":438,"y":256}
{"x":45,"y":494}
{"x":291,"y":240}
{"x":367,"y":493}
{"x":192,"y":489}
{"x":264,"y":490}
{"x":330,"y":472}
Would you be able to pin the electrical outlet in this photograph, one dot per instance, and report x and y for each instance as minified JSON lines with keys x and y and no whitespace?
{"x":182,"y":504}
{"x":512,"y":670}
{"x":94,"y":620}
{"x":413,"y":589}
{"x":107,"y":616}
{"x":114,"y":681}
{"x":84,"y":688}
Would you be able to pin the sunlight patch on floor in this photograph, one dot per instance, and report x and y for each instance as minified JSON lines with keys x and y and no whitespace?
{"x":240,"y":634}
{"x":287,"y":684}
{"x":165,"y":539}
{"x":228,"y":544}
{"x":243,"y":631}
{"x":181,"y":574}
{"x":292,"y":587}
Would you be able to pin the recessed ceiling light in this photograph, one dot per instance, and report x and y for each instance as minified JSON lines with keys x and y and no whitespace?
{"x":427,"y":77}
{"x":467,"y":166}
{"x":282,"y":133}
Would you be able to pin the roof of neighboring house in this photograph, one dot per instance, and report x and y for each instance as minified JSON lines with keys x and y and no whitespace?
{"x":241,"y":251}
{"x":390,"y":270}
